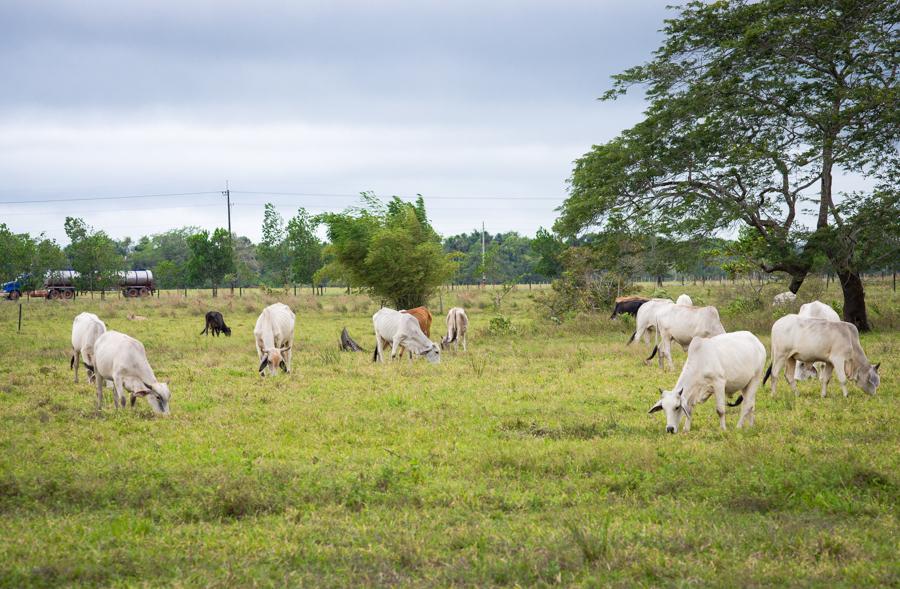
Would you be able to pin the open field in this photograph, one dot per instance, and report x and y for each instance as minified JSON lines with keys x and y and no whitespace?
{"x":531,"y":460}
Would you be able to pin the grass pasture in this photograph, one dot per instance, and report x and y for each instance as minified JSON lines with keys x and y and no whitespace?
{"x":531,"y":460}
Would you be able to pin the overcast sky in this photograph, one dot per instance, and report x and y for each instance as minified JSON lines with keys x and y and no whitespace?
{"x":453,"y":100}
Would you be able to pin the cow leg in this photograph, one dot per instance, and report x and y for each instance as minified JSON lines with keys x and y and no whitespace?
{"x":777,"y":365}
{"x":464,"y":343}
{"x":76,"y":363}
{"x":790,"y":369}
{"x":119,"y":392}
{"x":100,"y":382}
{"x":288,"y":355}
{"x":720,"y":404}
{"x":824,"y":377}
{"x":395,"y":348}
{"x":841,"y":375}
{"x":748,"y":405}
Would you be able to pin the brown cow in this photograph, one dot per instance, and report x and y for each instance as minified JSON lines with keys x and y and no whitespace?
{"x":423,"y":316}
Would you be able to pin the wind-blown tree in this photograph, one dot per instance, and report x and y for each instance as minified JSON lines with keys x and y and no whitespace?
{"x":212,"y":257}
{"x":752,"y":104}
{"x":390,"y":249}
{"x":93,"y":254}
{"x":304,"y":247}
{"x":548,"y":249}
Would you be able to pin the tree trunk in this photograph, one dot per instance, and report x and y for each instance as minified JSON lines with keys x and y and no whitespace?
{"x":854,"y":300}
{"x":796,"y":282}
{"x":659,"y":281}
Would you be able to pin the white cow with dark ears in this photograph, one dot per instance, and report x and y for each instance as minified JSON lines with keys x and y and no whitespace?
{"x":274,"y":335}
{"x":717,"y":366}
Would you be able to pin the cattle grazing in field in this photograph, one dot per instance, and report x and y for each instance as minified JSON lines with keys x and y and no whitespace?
{"x":423,"y":316}
{"x":86,"y":328}
{"x":215,"y":324}
{"x":784,"y":298}
{"x":457,"y":326}
{"x":645,"y":319}
{"x":815,"y":310}
{"x":721,"y":365}
{"x":682,"y":324}
{"x":628,"y":305}
{"x":401,"y":331}
{"x":684,"y":300}
{"x":836,"y":343}
{"x":274,"y":335}
{"x":123,"y":360}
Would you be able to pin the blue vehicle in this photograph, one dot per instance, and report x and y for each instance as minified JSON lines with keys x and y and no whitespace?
{"x":12,"y":290}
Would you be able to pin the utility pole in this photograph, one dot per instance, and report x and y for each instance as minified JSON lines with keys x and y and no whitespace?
{"x":227,"y":194}
{"x":483,"y":269}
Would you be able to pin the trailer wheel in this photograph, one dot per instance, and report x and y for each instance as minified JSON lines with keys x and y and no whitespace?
{"x":145,"y":292}
{"x":68,"y":294}
{"x":52,"y":294}
{"x":132,"y":292}
{"x":14,"y":295}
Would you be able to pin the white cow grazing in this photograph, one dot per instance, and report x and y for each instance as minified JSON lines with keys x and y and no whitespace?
{"x":682,"y":324}
{"x":123,"y":360}
{"x":720,"y":366}
{"x":457,"y":326}
{"x":274,"y":334}
{"x":684,"y":300}
{"x":817,"y":340}
{"x":401,"y":330}
{"x":645,"y":319}
{"x":784,"y":298}
{"x":86,"y":328}
{"x":815,"y":310}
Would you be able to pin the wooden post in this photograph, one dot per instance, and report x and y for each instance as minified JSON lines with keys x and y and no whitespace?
{"x":20,"y":318}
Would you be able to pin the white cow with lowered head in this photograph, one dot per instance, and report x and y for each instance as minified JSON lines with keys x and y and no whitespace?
{"x":836,"y":343}
{"x":401,"y":330}
{"x":457,"y":326}
{"x":274,"y":335}
{"x":86,"y":328}
{"x":721,"y":365}
{"x":123,"y":360}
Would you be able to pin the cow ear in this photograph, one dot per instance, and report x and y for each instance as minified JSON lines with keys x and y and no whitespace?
{"x":661,"y":392}
{"x":657,"y":407}
{"x":287,"y":349}
{"x":262,"y":365}
{"x":877,"y":366}
{"x":680,"y":393}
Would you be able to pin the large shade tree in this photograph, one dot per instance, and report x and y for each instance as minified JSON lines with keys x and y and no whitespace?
{"x":754,"y":108}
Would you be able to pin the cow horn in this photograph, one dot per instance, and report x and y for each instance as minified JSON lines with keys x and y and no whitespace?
{"x":262,"y":365}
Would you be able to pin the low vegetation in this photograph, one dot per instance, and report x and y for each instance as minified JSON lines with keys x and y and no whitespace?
{"x":530,"y":460}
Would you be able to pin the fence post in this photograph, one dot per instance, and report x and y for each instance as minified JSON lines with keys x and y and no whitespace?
{"x":20,"y":318}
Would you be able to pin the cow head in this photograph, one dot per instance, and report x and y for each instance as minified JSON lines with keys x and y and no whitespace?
{"x":433,"y":354}
{"x":226,"y":330}
{"x":157,"y":395}
{"x":273,"y":359}
{"x":868,"y":378}
{"x":675,"y":406}
{"x":445,"y":342}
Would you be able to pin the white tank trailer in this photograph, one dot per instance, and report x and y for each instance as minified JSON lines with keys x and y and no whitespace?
{"x":59,"y":284}
{"x":137,"y":283}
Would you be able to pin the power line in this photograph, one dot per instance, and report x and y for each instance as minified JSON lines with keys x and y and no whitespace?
{"x":426,"y":197}
{"x":86,"y":198}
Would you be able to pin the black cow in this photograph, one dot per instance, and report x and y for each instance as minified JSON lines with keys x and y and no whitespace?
{"x":628,"y":305}
{"x":216,"y":322}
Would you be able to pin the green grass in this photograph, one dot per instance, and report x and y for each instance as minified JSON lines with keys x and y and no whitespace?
{"x":531,"y":460}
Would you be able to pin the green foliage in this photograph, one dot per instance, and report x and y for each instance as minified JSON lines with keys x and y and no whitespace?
{"x":390,"y":250}
{"x":500,"y":325}
{"x":508,"y":256}
{"x":273,"y":251}
{"x":211,"y":257}
{"x":549,"y":248}
{"x":93,"y":254}
{"x":304,"y":247}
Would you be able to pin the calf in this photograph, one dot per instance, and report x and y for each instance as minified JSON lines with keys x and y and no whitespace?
{"x":274,"y":334}
{"x":836,"y":343}
{"x":86,"y":328}
{"x":682,"y":324}
{"x":216,"y":323}
{"x":457,"y":326}
{"x":720,"y":366}
{"x":123,"y":360}
{"x":401,"y":330}
{"x":628,"y":305}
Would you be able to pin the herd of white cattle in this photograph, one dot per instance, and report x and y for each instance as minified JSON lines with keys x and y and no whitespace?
{"x":813,"y":342}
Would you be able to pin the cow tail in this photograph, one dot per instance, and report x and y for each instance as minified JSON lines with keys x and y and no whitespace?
{"x":375,"y":354}
{"x":632,"y":337}
{"x":739,"y":400}
{"x":72,"y":362}
{"x":655,"y":348}
{"x":768,"y":374}
{"x":88,"y":366}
